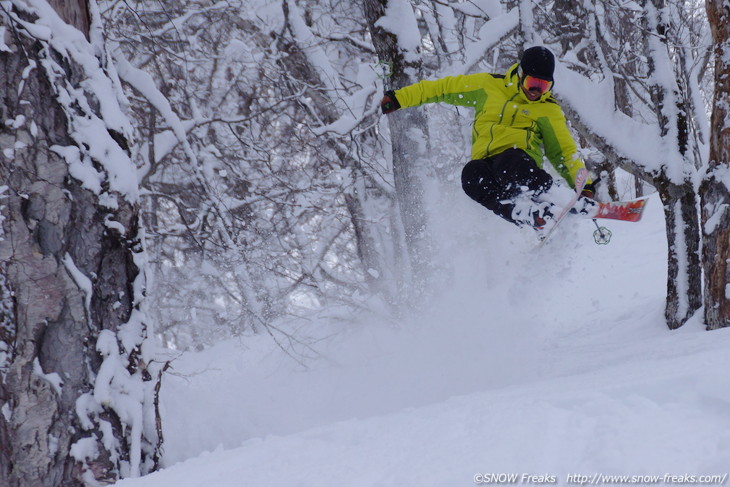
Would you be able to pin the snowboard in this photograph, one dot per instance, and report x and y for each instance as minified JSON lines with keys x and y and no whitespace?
{"x":628,"y":211}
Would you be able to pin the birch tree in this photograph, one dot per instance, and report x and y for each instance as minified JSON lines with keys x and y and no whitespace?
{"x":675,"y":180}
{"x":77,"y":369}
{"x":715,"y":186}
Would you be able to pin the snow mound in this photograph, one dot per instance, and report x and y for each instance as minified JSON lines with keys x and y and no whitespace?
{"x":546,"y":361}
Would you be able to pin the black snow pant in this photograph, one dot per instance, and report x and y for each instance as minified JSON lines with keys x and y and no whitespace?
{"x":495,"y":182}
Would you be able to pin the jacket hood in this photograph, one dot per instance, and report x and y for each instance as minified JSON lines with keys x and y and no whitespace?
{"x":512,"y":81}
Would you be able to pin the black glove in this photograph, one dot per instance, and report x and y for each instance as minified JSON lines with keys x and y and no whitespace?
{"x":389,"y":103}
{"x":589,"y":190}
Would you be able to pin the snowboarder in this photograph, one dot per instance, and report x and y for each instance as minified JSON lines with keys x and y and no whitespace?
{"x":516,"y":121}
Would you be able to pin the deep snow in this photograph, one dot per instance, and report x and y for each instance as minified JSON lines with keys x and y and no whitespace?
{"x":547,"y":361}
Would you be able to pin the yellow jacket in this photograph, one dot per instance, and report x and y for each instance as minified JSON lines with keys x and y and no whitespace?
{"x":504,"y":118}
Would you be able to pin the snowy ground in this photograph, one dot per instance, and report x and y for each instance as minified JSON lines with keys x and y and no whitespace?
{"x":552,"y":362}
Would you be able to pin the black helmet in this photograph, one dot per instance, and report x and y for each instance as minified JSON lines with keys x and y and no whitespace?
{"x":539,"y":62}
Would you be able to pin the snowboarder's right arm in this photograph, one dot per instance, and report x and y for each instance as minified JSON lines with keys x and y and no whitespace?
{"x":467,"y":90}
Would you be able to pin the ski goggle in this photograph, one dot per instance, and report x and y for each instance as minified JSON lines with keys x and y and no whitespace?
{"x":531,"y":83}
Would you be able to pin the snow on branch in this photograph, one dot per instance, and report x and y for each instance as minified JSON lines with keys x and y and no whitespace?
{"x":353,"y":108}
{"x":400,"y":21}
{"x":316,"y":56}
{"x":174,"y":24}
{"x":143,"y":83}
{"x":490,"y":34}
{"x":593,"y":101}
{"x":357,"y":112}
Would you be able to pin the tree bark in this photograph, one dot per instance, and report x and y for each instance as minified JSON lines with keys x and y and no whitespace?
{"x":67,"y":275}
{"x":684,"y":284}
{"x":714,"y":189}
{"x":684,"y":276}
{"x":73,"y":12}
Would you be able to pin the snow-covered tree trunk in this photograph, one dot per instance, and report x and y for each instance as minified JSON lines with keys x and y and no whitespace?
{"x":77,"y":384}
{"x":528,"y":28}
{"x":396,"y":40}
{"x":684,"y":278}
{"x":676,"y":179}
{"x":715,"y":189}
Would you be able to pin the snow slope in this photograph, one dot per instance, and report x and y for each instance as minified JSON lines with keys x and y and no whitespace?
{"x":551,"y":362}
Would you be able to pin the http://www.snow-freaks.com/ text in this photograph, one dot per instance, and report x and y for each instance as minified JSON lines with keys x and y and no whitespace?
{"x":597,"y":479}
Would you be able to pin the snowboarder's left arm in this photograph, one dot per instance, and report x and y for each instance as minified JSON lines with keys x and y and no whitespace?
{"x":559,"y":145}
